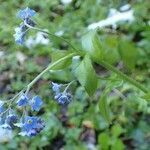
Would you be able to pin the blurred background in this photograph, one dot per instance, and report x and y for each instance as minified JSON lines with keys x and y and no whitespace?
{"x":124,"y":29}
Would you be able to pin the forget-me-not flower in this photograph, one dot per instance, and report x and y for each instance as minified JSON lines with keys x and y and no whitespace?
{"x":23,"y":100}
{"x":20,"y":32}
{"x":26,"y":13}
{"x":63,"y":98}
{"x":32,"y":126}
{"x":36,"y":103}
{"x":56,"y":87}
{"x":11,"y":119}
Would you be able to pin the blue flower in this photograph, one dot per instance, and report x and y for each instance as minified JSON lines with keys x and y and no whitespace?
{"x":19,"y":36}
{"x":21,"y":31}
{"x":1,"y":107}
{"x":23,"y":100}
{"x":6,"y":126}
{"x":11,"y":119}
{"x":63,"y":98}
{"x":2,"y":120}
{"x":36,"y":103}
{"x":26,"y":13}
{"x":29,"y":22}
{"x":29,"y":123}
{"x":56,"y":87}
{"x":32,"y":126}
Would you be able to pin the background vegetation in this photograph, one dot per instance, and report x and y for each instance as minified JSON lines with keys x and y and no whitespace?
{"x":81,"y":125}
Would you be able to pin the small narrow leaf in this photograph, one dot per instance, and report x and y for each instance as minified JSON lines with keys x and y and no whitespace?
{"x":86,"y":75}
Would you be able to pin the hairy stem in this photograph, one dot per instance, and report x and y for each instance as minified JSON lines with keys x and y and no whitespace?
{"x":101,"y":62}
{"x":47,"y":69}
{"x":68,"y":86}
{"x":51,"y":34}
{"x":122,"y":75}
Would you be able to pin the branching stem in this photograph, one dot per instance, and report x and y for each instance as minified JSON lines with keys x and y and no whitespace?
{"x":101,"y":62}
{"x":47,"y":69}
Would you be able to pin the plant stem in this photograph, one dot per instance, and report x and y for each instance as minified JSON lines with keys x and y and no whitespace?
{"x":51,"y":34}
{"x":122,"y":75}
{"x":47,"y":69}
{"x":101,"y":62}
{"x":68,"y":86}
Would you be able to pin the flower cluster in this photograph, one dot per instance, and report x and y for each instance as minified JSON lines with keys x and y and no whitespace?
{"x":35,"y":103}
{"x":61,"y":96}
{"x":29,"y":125}
{"x":21,"y":31}
{"x":10,"y":119}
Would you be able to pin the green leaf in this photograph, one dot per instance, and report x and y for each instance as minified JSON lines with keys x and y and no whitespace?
{"x":116,"y":130}
{"x":118,"y":145}
{"x":147,"y":96}
{"x":128,"y":53}
{"x":104,"y":106}
{"x":61,"y":75}
{"x":92,"y":46}
{"x":114,"y":82}
{"x":56,"y":55}
{"x":86,"y":75}
{"x":110,"y":45}
{"x":104,"y":141}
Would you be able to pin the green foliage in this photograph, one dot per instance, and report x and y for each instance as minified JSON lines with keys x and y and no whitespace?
{"x":104,"y":106}
{"x":92,"y":46}
{"x":128,"y":53}
{"x":110,"y":47}
{"x":86,"y":75}
{"x":147,"y":96}
{"x":56,"y":55}
{"x":104,"y":141}
{"x":126,"y":107}
{"x":111,"y":140}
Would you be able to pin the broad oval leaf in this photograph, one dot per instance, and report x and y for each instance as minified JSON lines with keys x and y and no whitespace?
{"x":110,"y":46}
{"x":56,"y":55}
{"x":128,"y":53}
{"x":92,"y":46}
{"x":86,"y":75}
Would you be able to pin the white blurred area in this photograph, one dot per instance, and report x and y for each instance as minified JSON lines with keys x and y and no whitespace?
{"x":125,"y":14}
{"x":5,"y":135}
{"x":66,"y":1}
{"x":1,"y":54}
{"x":38,"y":39}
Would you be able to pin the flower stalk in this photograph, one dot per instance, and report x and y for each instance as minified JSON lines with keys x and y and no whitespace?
{"x":53,"y":35}
{"x":101,"y":62}
{"x":50,"y":67}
